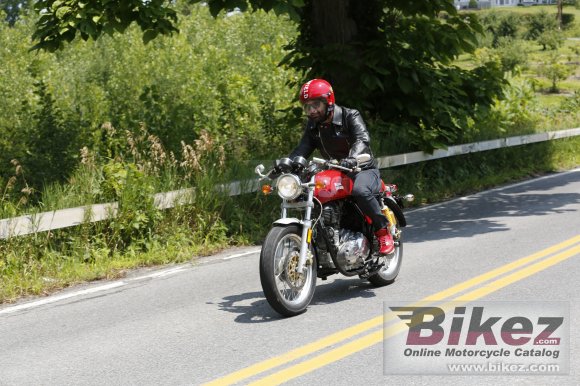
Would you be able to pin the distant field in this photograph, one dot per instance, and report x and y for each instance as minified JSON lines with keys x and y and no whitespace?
{"x":550,"y":9}
{"x":568,"y":53}
{"x":534,"y":9}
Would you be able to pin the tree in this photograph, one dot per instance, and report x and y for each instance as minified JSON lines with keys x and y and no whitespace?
{"x":550,"y":40}
{"x":12,"y":9}
{"x":61,"y":20}
{"x":51,"y":145}
{"x":554,"y":71}
{"x":538,"y":23}
{"x":559,"y":14}
{"x":390,"y":58}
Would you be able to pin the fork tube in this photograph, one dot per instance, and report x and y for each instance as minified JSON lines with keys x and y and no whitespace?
{"x":306,"y":224}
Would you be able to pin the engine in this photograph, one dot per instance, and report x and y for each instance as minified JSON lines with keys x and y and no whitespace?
{"x":352,"y":250}
{"x":352,"y":246}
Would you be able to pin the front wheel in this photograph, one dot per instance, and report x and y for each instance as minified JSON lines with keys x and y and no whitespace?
{"x":287,"y":291}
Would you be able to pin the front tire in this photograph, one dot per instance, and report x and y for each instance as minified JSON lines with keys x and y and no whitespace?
{"x":288,"y":292}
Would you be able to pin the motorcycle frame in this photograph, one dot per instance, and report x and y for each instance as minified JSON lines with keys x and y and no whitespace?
{"x":306,"y":221}
{"x":306,"y":224}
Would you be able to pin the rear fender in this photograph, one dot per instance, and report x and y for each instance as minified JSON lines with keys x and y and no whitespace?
{"x":392,"y":204}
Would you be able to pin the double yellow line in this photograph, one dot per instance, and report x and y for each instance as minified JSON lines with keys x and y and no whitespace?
{"x":521,"y":268}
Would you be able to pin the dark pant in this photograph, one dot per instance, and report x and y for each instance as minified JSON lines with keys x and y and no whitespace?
{"x":367,"y":184}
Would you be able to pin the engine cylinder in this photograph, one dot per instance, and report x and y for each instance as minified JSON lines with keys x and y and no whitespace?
{"x":331,"y":215}
{"x":353,"y":249}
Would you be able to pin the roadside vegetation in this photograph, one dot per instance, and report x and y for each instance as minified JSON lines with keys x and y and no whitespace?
{"x":114,"y":120}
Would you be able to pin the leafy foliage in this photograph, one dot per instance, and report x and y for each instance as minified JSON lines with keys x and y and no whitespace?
{"x":390,"y":58}
{"x":13,"y":9}
{"x":550,"y":39}
{"x":52,"y":142}
{"x":406,"y":70}
{"x":501,"y":25}
{"x":555,"y":71}
{"x":539,"y":23}
{"x":218,"y":76}
{"x":61,"y":20}
{"x":393,"y":60}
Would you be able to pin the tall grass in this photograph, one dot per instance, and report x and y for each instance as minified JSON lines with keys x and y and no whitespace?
{"x":139,"y":234}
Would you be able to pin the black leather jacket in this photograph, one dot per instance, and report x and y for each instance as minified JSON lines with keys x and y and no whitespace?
{"x":346,"y":136}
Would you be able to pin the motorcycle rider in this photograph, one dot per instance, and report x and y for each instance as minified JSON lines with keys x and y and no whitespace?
{"x":340,"y":133}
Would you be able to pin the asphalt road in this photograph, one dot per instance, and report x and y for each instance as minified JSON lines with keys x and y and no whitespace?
{"x":209,"y":321}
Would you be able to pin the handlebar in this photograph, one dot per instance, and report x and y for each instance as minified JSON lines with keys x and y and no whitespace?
{"x":330,"y":164}
{"x":334,"y":165}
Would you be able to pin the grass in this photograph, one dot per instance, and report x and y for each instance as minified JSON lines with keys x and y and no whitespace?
{"x":24,"y":275}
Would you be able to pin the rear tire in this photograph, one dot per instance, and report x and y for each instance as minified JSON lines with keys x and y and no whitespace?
{"x":288,"y":292}
{"x":390,"y":271}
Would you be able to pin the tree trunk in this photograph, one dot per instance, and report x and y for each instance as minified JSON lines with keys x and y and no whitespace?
{"x":332,"y":22}
{"x":334,"y":27}
{"x":559,"y":16}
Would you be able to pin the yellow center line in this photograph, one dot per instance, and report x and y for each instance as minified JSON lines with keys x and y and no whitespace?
{"x":378,"y":336}
{"x":350,"y":332}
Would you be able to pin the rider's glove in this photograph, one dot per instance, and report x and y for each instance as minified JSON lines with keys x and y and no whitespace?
{"x":276,"y":171}
{"x":349,"y":163}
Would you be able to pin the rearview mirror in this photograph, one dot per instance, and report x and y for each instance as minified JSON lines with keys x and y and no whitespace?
{"x":362,"y":158}
{"x":259,"y":170}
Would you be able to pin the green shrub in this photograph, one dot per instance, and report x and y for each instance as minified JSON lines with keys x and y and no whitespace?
{"x":550,"y":39}
{"x":554,"y":71}
{"x":512,"y":53}
{"x":538,"y":23}
{"x":568,"y":20}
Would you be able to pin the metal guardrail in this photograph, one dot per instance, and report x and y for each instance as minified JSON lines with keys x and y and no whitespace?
{"x":64,"y":218}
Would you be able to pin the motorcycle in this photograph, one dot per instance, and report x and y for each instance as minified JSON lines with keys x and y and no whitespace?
{"x":322,"y":232}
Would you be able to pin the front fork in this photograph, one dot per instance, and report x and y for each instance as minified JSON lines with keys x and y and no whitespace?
{"x":306,"y":230}
{"x":306,"y":223}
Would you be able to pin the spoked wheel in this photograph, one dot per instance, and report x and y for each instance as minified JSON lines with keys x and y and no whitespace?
{"x":288,"y":292}
{"x":392,"y":265}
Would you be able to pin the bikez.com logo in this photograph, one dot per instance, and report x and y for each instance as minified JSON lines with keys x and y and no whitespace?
{"x":428,"y":327}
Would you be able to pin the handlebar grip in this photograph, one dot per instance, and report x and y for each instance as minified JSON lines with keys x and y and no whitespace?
{"x":319,"y":160}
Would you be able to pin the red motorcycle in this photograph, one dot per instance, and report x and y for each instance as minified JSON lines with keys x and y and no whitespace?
{"x":322,"y":232}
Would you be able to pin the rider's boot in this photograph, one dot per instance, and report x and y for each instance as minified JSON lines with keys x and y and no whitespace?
{"x":386,"y":243}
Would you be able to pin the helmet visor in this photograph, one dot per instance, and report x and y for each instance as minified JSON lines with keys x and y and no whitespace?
{"x":313,"y":105}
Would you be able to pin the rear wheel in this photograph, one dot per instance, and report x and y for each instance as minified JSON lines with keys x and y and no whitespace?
{"x":392,"y":265}
{"x":391,"y":262}
{"x":287,"y":291}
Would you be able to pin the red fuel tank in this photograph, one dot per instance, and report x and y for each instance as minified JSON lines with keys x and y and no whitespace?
{"x":332,"y":185}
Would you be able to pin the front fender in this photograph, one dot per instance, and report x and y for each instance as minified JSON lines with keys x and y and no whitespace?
{"x":288,"y":221}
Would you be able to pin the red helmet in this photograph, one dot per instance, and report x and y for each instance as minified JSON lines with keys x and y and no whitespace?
{"x":315,"y":89}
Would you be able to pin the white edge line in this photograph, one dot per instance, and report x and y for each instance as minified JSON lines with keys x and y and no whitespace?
{"x":166,"y":272}
{"x":241,"y":254}
{"x":57,"y":298}
{"x":88,"y":291}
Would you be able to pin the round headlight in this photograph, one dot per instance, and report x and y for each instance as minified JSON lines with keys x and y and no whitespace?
{"x":289,"y":187}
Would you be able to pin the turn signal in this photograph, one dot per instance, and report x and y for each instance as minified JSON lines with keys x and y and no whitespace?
{"x":320,"y":185}
{"x":267,"y":189}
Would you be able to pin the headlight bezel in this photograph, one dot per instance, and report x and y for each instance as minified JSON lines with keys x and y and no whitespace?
{"x":289,"y":186}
